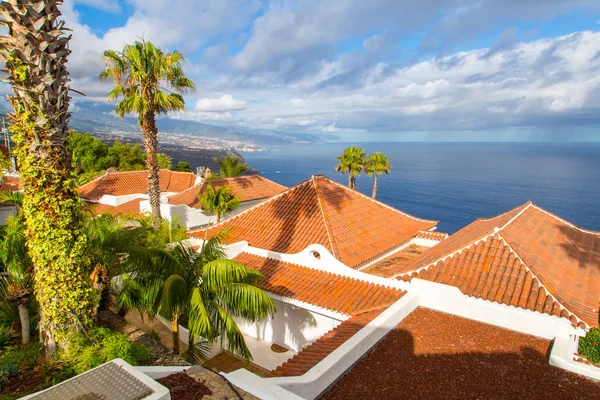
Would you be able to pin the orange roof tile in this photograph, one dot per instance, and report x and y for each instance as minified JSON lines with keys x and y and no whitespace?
{"x":324,"y":289}
{"x":432,"y":235}
{"x":248,"y":188}
{"x":132,"y":182}
{"x":9,"y":183}
{"x":300,"y":363}
{"x":352,"y":226}
{"x":527,"y":258}
{"x":130,"y":207}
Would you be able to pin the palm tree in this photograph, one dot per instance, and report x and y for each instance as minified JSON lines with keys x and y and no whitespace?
{"x":35,"y":52}
{"x":140,"y":73}
{"x":377,"y":164}
{"x":353,"y":162}
{"x":17,"y":264}
{"x":205,"y":288}
{"x":218,"y":201}
{"x":230,"y":167}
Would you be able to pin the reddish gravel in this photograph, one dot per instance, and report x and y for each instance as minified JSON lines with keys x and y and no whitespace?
{"x":184,"y":387}
{"x":432,"y":355}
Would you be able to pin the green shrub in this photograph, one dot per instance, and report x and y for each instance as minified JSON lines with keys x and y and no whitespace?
{"x":589,"y":345}
{"x":24,"y":357}
{"x":154,"y":335}
{"x":100,"y":346}
{"x":4,"y":336}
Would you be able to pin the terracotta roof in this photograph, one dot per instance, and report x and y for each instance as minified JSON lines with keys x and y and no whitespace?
{"x":248,"y":188}
{"x":334,"y":292}
{"x":132,"y":182}
{"x":398,"y":262}
{"x":300,"y":363}
{"x":527,"y":258}
{"x":352,"y":226}
{"x":432,"y":235}
{"x":9,"y":183}
{"x":130,"y":207}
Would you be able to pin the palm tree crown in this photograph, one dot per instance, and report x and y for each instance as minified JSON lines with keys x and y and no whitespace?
{"x":353,"y":162}
{"x":219,"y":201}
{"x":230,"y":167}
{"x":204,"y":287}
{"x":141,"y":74}
{"x":377,"y":164}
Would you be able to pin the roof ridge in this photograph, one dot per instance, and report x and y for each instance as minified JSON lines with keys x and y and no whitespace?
{"x":375,"y":200}
{"x":449,"y":255}
{"x":504,"y":213}
{"x":261,"y":204}
{"x":325,"y":218}
{"x":95,"y":179}
{"x":529,"y":203}
{"x":564,"y":221}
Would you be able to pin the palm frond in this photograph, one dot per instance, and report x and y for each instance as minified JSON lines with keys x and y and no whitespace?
{"x":246,"y":301}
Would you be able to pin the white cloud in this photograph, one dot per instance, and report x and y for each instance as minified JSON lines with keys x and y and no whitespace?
{"x":224,"y":103}
{"x":106,"y":5}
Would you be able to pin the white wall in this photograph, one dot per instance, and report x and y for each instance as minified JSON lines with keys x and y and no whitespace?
{"x":118,"y":200}
{"x":7,"y":212}
{"x":292,"y":326}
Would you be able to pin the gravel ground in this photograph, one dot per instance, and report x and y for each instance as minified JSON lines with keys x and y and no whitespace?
{"x":432,"y":355}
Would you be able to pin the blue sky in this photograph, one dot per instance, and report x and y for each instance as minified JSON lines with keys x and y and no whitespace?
{"x":367,"y":70}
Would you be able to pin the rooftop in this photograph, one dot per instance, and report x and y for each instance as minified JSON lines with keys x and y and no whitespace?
{"x":334,"y":292}
{"x":131,"y":207}
{"x":353,"y":227}
{"x":133,"y":182}
{"x":248,"y":188}
{"x":9,"y":183}
{"x":432,"y":355}
{"x":527,"y":257}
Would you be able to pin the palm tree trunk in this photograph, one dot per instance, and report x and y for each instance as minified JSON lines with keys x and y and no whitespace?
{"x":175,"y":331}
{"x":25,"y":323}
{"x":374,"y":187}
{"x":350,"y":180}
{"x":218,"y":218}
{"x":151,"y":144}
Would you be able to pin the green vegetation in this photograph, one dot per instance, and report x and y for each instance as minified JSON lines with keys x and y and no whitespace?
{"x":90,"y":157}
{"x":182,"y":166}
{"x":219,"y":201}
{"x":230,"y":167}
{"x":376,"y":165}
{"x":36,"y":51}
{"x":138,"y":72}
{"x":353,"y":162}
{"x":589,"y":345}
{"x":203,"y":288}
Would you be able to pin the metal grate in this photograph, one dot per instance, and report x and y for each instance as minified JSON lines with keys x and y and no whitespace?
{"x":107,"y":382}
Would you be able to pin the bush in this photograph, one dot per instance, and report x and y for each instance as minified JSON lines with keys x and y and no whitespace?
{"x":23,"y":357}
{"x":589,"y":345}
{"x":101,"y":346}
{"x":4,"y":336}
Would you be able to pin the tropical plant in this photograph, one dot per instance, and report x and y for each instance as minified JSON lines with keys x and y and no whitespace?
{"x":35,"y":53}
{"x":589,"y":345}
{"x":230,"y":167}
{"x":13,"y":197}
{"x":15,"y":258}
{"x":218,"y":201}
{"x":205,"y":288}
{"x":5,"y":164}
{"x":164,"y":161}
{"x":377,"y":164}
{"x":182,"y":166}
{"x":140,"y":73}
{"x":353,"y":162}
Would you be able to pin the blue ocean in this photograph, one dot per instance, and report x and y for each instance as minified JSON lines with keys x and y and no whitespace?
{"x":457,"y":183}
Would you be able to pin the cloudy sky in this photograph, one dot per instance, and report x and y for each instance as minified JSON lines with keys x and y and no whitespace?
{"x":394,"y":69}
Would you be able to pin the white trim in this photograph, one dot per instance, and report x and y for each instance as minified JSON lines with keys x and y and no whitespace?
{"x":310,"y":307}
{"x":516,"y":216}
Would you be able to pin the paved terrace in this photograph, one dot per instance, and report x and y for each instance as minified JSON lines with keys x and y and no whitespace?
{"x":432,"y":355}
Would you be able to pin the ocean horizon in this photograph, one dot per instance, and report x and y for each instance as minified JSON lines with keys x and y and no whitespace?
{"x":458,"y":182}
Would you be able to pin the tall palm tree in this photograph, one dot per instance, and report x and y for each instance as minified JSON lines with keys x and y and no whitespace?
{"x":141,"y":73}
{"x":230,"y":167}
{"x":35,"y":53}
{"x":377,"y":164}
{"x":352,"y":161}
{"x":206,"y":288}
{"x":19,"y":267}
{"x":219,"y":201}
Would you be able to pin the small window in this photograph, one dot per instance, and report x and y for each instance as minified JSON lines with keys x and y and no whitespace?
{"x":315,"y":254}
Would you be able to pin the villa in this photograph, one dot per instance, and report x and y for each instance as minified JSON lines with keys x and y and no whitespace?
{"x":126,"y":192}
{"x":373,"y":300}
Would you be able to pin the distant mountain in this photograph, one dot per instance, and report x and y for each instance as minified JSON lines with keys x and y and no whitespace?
{"x":98,"y":118}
